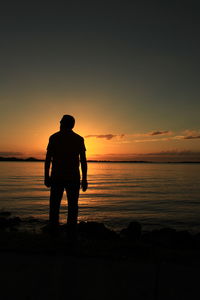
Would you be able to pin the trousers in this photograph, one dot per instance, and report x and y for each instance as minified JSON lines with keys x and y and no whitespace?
{"x":72,"y":189}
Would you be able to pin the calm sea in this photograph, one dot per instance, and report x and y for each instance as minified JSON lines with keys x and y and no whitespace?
{"x":154,"y":194}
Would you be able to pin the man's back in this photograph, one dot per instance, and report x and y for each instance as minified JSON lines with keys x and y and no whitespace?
{"x":65,"y":147}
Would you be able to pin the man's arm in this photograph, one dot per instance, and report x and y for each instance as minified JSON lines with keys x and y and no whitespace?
{"x":47,"y":165}
{"x":83,"y":160}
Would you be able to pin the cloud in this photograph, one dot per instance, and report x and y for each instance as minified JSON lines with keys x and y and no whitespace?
{"x":152,"y":136}
{"x":104,"y":136}
{"x":165,"y":132}
{"x":101,"y":136}
{"x":111,"y":136}
{"x":185,"y":135}
{"x":191,"y":137}
{"x":151,"y":133}
{"x":188,"y":135}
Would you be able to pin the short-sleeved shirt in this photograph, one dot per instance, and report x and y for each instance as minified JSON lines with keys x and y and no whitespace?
{"x":65,"y":148}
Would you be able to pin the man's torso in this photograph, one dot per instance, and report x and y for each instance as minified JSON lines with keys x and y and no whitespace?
{"x":65,"y":148}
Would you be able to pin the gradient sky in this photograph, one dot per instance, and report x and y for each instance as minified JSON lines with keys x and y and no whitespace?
{"x":128,"y":71}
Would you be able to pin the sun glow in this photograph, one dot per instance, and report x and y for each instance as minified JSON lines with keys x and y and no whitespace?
{"x":92,"y":147}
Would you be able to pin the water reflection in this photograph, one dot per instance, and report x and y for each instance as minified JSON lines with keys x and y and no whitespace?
{"x":118,"y":193}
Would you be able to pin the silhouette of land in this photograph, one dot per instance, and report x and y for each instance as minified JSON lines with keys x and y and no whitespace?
{"x":19,"y":159}
{"x":33,"y":159}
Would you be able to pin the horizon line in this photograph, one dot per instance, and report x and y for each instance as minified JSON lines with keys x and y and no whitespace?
{"x":33,"y":159}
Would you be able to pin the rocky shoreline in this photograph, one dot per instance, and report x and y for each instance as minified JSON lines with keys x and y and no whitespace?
{"x":96,"y":240}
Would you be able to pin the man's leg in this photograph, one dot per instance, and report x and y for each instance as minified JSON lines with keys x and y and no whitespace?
{"x":55,"y":200}
{"x":72,"y":198}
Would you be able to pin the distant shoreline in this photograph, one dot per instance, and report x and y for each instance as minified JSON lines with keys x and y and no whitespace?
{"x":33,"y":159}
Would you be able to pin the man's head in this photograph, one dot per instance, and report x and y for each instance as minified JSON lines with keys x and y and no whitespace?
{"x":67,"y":122}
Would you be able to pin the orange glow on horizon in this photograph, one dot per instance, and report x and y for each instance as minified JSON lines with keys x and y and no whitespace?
{"x":30,"y":139}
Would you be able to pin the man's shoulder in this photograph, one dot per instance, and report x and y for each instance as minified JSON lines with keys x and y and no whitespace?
{"x":54,"y":135}
{"x":76,"y":135}
{"x":67,"y":134}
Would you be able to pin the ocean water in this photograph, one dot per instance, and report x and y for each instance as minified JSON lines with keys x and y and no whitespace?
{"x":156,"y":195}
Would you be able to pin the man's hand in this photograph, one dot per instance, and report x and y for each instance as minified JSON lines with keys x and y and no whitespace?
{"x":47,"y":182}
{"x":84,"y":185}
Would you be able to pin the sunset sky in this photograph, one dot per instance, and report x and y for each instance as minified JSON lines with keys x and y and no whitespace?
{"x":128,"y":71}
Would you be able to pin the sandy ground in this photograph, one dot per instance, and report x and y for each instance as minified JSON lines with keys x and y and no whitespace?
{"x":39,"y":276}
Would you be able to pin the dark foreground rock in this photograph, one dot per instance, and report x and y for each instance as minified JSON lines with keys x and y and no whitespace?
{"x":8,"y":222}
{"x":96,"y":230}
{"x":99,"y":264}
{"x":95,"y":239}
{"x":132,"y":232}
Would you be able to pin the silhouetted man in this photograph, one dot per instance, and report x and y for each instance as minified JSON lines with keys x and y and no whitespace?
{"x":64,"y":151}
